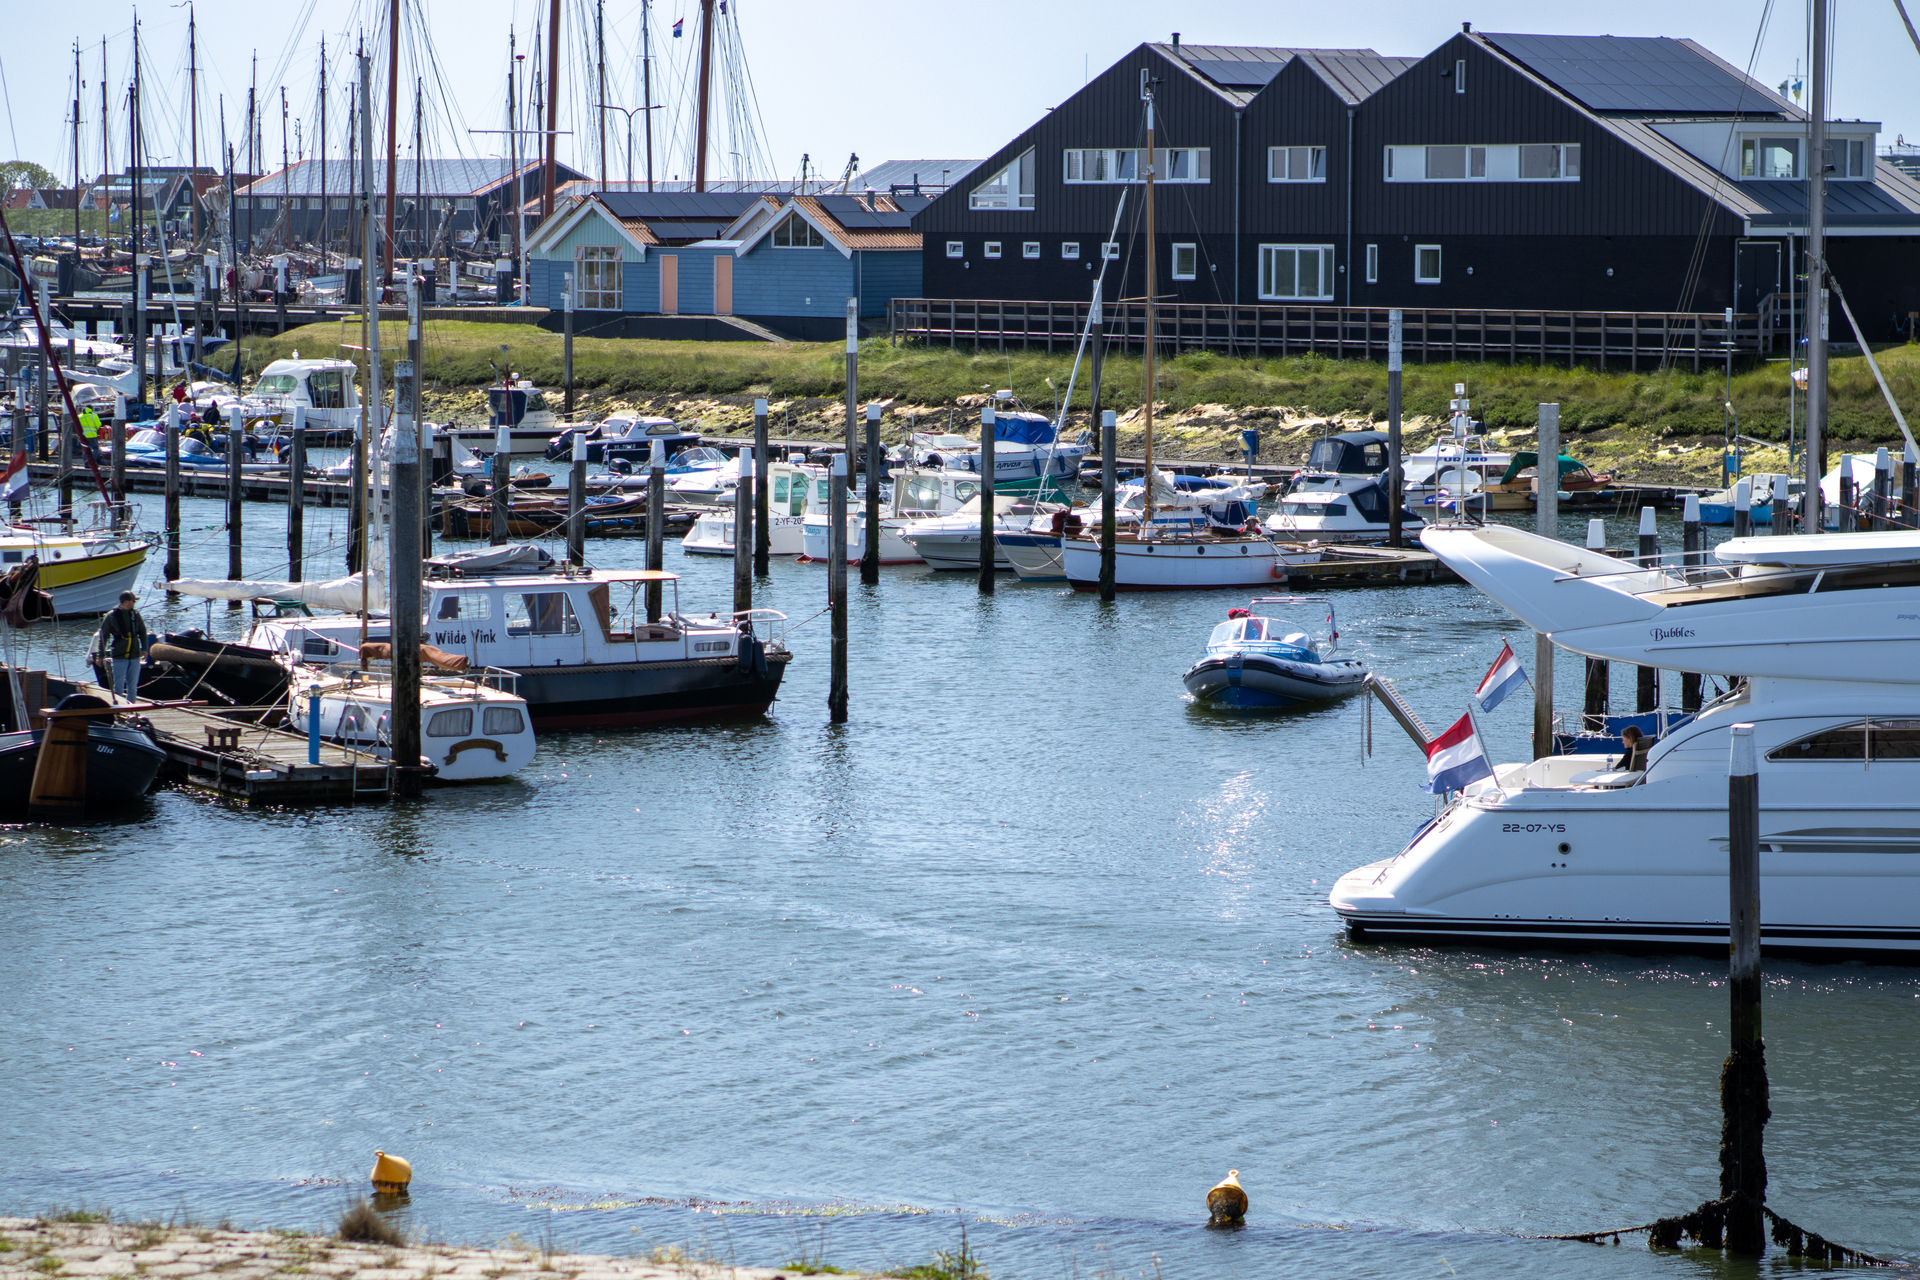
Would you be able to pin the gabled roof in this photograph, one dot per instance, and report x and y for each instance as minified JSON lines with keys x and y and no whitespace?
{"x":929,"y":175}
{"x":867,"y":221}
{"x":1355,"y":77}
{"x":1239,"y":72}
{"x":437,"y":178}
{"x":1653,"y":74}
{"x":569,"y":214}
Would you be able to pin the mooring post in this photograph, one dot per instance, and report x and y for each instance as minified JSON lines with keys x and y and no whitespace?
{"x":743,"y":537}
{"x":853,"y":383}
{"x":1647,"y":686}
{"x":69,"y":432}
{"x":117,"y":459}
{"x":502,"y":479}
{"x":1743,"y":1080}
{"x":403,"y":573}
{"x":1395,"y":332}
{"x":1782,"y":508}
{"x":577,"y":501}
{"x":1109,"y":484}
{"x":1910,"y":489}
{"x":1692,"y":543}
{"x":870,"y":541}
{"x":762,"y":513}
{"x":1844,"y":521}
{"x":1742,"y":508}
{"x":142,"y":281}
{"x":46,"y":388}
{"x":986,"y":501}
{"x":656,"y":522}
{"x":566,"y":330}
{"x":1546,"y":523}
{"x":236,"y":457}
{"x":297,"y":495}
{"x":1882,"y":490}
{"x":837,"y":586}
{"x":199,"y":316}
{"x":172,"y":509}
{"x":1599,"y":674}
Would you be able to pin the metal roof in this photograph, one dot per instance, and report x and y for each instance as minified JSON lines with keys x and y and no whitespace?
{"x":439,"y":178}
{"x":719,"y":206}
{"x":1355,"y":76}
{"x":1238,"y":74}
{"x":1641,"y":74}
{"x":934,"y":175}
{"x":1892,"y":200}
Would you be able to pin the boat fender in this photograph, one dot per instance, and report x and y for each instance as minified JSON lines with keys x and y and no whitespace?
{"x":1279,"y":570}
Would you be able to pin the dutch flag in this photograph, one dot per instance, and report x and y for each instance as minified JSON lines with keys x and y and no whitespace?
{"x":1502,"y":678}
{"x":677,"y":24}
{"x":14,"y":480}
{"x":1456,"y":758}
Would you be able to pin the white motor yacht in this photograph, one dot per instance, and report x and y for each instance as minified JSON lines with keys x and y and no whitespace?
{"x":953,"y":541}
{"x":787,"y":487}
{"x":1339,"y":496}
{"x":472,"y":728}
{"x":1823,"y":633}
{"x":916,"y":493}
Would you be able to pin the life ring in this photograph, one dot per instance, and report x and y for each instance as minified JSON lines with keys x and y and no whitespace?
{"x":1279,"y":570}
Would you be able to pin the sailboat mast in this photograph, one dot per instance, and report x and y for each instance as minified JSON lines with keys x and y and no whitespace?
{"x":106,"y":155}
{"x":600,"y":47}
{"x":326,"y":209}
{"x":393,"y":123}
{"x":646,"y":81}
{"x":1816,"y":462}
{"x":1146,"y":91}
{"x":193,"y":117}
{"x":77,"y":180}
{"x":553,"y":104}
{"x":419,"y":170}
{"x":371,"y":406}
{"x":706,"y":95}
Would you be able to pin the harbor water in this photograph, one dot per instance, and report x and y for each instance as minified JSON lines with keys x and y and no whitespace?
{"x":1031,"y":948}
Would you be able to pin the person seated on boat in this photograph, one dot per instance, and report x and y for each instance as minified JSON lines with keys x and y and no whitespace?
{"x":212,"y":417}
{"x":1637,"y":745}
{"x":179,"y":393}
{"x":124,"y":636}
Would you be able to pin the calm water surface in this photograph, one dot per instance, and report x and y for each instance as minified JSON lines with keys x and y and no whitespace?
{"x":1031,"y":947}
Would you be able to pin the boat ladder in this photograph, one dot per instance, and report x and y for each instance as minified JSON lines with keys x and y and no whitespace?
{"x":1397,"y":707}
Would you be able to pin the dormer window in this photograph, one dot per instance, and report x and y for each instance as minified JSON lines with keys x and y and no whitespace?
{"x":1770,"y":158}
{"x":795,"y":232}
{"x":1011,"y":188}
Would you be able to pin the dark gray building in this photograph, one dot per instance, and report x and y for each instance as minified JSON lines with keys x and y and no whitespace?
{"x":1594,"y":173}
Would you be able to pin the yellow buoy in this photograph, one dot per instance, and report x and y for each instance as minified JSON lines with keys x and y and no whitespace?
{"x":1227,"y":1201}
{"x":391,"y":1174}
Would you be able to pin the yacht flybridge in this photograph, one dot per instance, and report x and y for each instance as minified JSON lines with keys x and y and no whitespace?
{"x":1823,"y":633}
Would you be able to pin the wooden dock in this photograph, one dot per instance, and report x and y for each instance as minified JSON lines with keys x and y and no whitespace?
{"x":1351,"y":566}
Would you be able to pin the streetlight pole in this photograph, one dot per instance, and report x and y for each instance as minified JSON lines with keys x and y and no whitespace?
{"x":628,"y":113}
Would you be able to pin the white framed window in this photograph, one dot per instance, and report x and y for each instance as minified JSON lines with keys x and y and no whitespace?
{"x":1011,"y":188}
{"x":1070,"y":249}
{"x":1770,"y":158}
{"x":1492,"y":162}
{"x":1126,"y":164}
{"x":992,"y":249}
{"x":1373,"y":264}
{"x":1296,"y":164}
{"x":1110,"y":250}
{"x":956,"y":249}
{"x":463,"y":204}
{"x":1460,"y":76}
{"x":795,"y":232}
{"x":1186,"y":261}
{"x":596,"y":275}
{"x":1426,"y":264}
{"x":1296,"y":271}
{"x":1030,"y":249}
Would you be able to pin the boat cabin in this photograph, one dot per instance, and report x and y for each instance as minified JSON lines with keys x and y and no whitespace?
{"x":324,"y":388}
{"x":1350,"y":453}
{"x":511,"y":406}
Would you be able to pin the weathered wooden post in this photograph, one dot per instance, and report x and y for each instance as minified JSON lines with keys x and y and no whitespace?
{"x":1742,"y":508}
{"x":403,"y":573}
{"x":986,"y":501}
{"x":172,"y":510}
{"x":1693,"y":544}
{"x":853,"y":383}
{"x":236,"y":458}
{"x":837,"y":586}
{"x":1647,"y":683}
{"x":566,"y":322}
{"x":1395,"y":499}
{"x":297,"y":495}
{"x":1599,"y":674}
{"x":1882,"y":490}
{"x":577,"y":501}
{"x":656,"y":522}
{"x":743,"y":538}
{"x":1845,"y":522}
{"x":870,"y":550}
{"x":502,"y":480}
{"x":1743,"y":1080}
{"x":69,"y":432}
{"x":1910,"y":489}
{"x":1546,"y":523}
{"x":142,"y":281}
{"x":1782,"y":508}
{"x":117,"y":459}
{"x":762,"y":515}
{"x":1109,"y":487}
{"x":46,"y":389}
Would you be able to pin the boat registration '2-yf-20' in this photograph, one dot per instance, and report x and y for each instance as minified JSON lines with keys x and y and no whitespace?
{"x":1823,"y":632}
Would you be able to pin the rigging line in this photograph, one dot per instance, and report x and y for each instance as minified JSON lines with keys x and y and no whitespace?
{"x":1200,"y":250}
{"x":7,"y":93}
{"x":1691,"y":283}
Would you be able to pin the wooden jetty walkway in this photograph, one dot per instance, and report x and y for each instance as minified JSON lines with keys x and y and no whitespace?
{"x":1354,"y":566}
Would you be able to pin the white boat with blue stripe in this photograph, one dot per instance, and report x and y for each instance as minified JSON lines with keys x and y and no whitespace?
{"x":1256,"y":662}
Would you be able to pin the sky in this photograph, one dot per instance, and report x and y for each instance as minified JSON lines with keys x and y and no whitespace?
{"x":922,"y":79}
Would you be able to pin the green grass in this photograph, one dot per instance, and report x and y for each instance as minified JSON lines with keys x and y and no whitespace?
{"x":1667,"y":403}
{"x":75,"y":1213}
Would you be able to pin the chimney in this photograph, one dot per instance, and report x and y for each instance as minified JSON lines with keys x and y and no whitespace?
{"x":1176,"y":39}
{"x":1466,"y":28}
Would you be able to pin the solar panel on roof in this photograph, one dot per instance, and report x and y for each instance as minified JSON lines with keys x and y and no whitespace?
{"x":1636,"y":73}
{"x":851,"y":212}
{"x":1237,"y":74}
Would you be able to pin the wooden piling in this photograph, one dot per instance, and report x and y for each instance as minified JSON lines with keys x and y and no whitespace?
{"x":1693,"y":543}
{"x":172,"y":511}
{"x":870,"y":551}
{"x":297,"y":495}
{"x":1394,"y":477}
{"x":762,"y":515}
{"x":1742,"y":508}
{"x":1647,"y":680}
{"x":743,"y":539}
{"x":1882,"y":490}
{"x":69,"y":432}
{"x":986,"y":501}
{"x":1782,"y":510}
{"x":566,"y":340}
{"x":117,"y":460}
{"x":853,"y":383}
{"x":1845,"y":520}
{"x":236,"y":458}
{"x":1910,"y":489}
{"x":502,"y":481}
{"x":1743,"y":1080}
{"x":577,"y":500}
{"x":656,"y":523}
{"x":1546,"y":523}
{"x":403,"y":573}
{"x":46,"y":389}
{"x":837,"y":586}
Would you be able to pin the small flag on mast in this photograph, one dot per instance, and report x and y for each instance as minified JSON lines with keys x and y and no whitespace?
{"x":14,"y":480}
{"x":1501,"y":679}
{"x":677,"y":24}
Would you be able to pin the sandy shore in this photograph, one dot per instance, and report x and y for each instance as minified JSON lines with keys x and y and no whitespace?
{"x":33,"y":1249}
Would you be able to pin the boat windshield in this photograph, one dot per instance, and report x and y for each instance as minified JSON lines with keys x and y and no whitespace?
{"x":1316,"y":482}
{"x":276,"y":384}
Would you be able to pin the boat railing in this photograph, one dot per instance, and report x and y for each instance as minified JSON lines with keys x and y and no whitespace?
{"x":1673,"y":573}
{"x":769,"y":626}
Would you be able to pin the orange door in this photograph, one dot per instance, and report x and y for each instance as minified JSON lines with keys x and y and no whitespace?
{"x":723,"y":284}
{"x":669,"y":283}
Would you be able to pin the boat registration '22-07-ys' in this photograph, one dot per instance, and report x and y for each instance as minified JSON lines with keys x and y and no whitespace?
{"x":1823,"y":633}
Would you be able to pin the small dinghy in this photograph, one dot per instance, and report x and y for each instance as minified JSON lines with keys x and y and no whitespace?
{"x":1255,"y":662}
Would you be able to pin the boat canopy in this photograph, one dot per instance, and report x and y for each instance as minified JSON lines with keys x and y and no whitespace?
{"x":1528,"y":458}
{"x":1022,"y":428}
{"x":343,"y":594}
{"x":1355,"y":452}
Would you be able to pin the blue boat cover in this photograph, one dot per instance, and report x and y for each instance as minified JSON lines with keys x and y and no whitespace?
{"x":1022,"y":428}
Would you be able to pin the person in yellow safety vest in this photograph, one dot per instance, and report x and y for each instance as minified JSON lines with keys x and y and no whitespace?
{"x":89,"y":424}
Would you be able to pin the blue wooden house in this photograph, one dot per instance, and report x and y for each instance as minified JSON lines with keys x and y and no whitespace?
{"x":682,"y":264}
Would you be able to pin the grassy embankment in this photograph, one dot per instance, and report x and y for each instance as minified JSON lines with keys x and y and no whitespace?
{"x":1663,"y":425}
